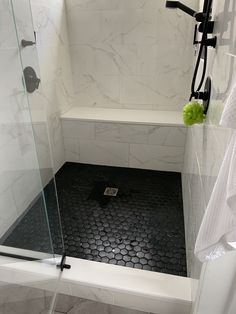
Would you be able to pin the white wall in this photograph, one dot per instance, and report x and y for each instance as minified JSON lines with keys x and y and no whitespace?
{"x":130,"y":54}
{"x":50,"y":24}
{"x":205,"y":149}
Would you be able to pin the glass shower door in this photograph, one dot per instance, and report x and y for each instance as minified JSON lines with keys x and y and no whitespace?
{"x":31,"y":243}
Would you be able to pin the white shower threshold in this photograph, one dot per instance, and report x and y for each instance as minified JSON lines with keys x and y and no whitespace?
{"x":142,"y":290}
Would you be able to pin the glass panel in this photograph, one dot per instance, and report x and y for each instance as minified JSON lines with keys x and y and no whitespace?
{"x":38,"y":227}
{"x":28,"y":200}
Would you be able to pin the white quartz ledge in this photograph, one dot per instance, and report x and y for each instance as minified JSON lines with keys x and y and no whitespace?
{"x":129,"y":280}
{"x":136,"y":289}
{"x":149,"y":117}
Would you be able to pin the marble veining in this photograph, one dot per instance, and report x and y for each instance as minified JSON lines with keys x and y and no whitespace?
{"x":72,"y":305}
{"x":129,"y":145}
{"x":121,"y":54}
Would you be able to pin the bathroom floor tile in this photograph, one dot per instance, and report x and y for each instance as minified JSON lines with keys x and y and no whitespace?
{"x":141,"y":227}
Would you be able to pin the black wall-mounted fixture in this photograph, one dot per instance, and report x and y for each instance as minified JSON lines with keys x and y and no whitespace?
{"x":26,"y":43}
{"x":206,"y":27}
{"x":205,"y":96}
{"x":31,"y":80}
{"x":199,"y":16}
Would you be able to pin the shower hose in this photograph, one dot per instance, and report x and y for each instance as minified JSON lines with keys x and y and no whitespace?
{"x":203,"y":44}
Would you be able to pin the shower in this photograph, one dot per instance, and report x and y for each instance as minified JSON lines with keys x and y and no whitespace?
{"x":100,"y":178}
{"x":179,"y":5}
{"x":206,"y":27}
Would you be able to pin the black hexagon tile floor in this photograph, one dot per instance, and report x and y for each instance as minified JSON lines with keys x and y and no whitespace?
{"x":121,"y":216}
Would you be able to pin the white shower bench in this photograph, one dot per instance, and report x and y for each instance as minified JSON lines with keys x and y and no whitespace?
{"x":145,"y":139}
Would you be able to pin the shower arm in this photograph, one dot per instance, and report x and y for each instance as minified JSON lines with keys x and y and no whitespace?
{"x":199,"y":16}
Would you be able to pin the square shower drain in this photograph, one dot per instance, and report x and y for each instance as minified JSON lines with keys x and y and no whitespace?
{"x":109,"y":191}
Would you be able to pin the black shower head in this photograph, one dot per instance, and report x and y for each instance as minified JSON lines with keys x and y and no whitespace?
{"x":172,"y":4}
{"x":179,"y":5}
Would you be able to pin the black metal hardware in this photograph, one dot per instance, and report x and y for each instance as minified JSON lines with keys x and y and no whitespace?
{"x":209,"y":42}
{"x":210,"y":27}
{"x":26,"y":43}
{"x":206,"y":27}
{"x":199,"y":16}
{"x":31,"y":79}
{"x":204,"y":96}
{"x":63,"y":264}
{"x":207,"y":90}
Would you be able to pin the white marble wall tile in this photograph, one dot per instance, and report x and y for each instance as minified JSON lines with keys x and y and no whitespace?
{"x":10,"y":72}
{"x":167,"y":136}
{"x":141,"y":4}
{"x":112,"y":26}
{"x":104,"y":153}
{"x":130,"y":40}
{"x":34,"y":306}
{"x":56,"y":141}
{"x":156,"y":157}
{"x":139,"y":27}
{"x":153,"y":135}
{"x":26,"y":189}
{"x":68,"y":304}
{"x":50,"y":23}
{"x":71,"y":149}
{"x":92,"y":5}
{"x":157,"y":91}
{"x":43,"y":152}
{"x":126,"y":58}
{"x":97,"y":91}
{"x":17,"y":293}
{"x":92,"y":293}
{"x":141,"y":90}
{"x":177,"y":25}
{"x":84,"y":27}
{"x":148,"y":147}
{"x":149,"y":305}
{"x":54,"y":68}
{"x":64,"y":303}
{"x":100,"y":308}
{"x":7,"y":34}
{"x":122,"y":132}
{"x":7,"y":217}
{"x":104,"y":59}
{"x":78,"y":129}
{"x":147,"y":59}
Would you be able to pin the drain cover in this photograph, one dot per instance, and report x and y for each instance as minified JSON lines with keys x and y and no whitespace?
{"x":111,"y":191}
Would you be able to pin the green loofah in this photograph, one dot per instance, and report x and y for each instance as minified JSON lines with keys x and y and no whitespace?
{"x":193,"y":112}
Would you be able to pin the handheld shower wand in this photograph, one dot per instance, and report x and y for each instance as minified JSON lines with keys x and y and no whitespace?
{"x":205,"y":27}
